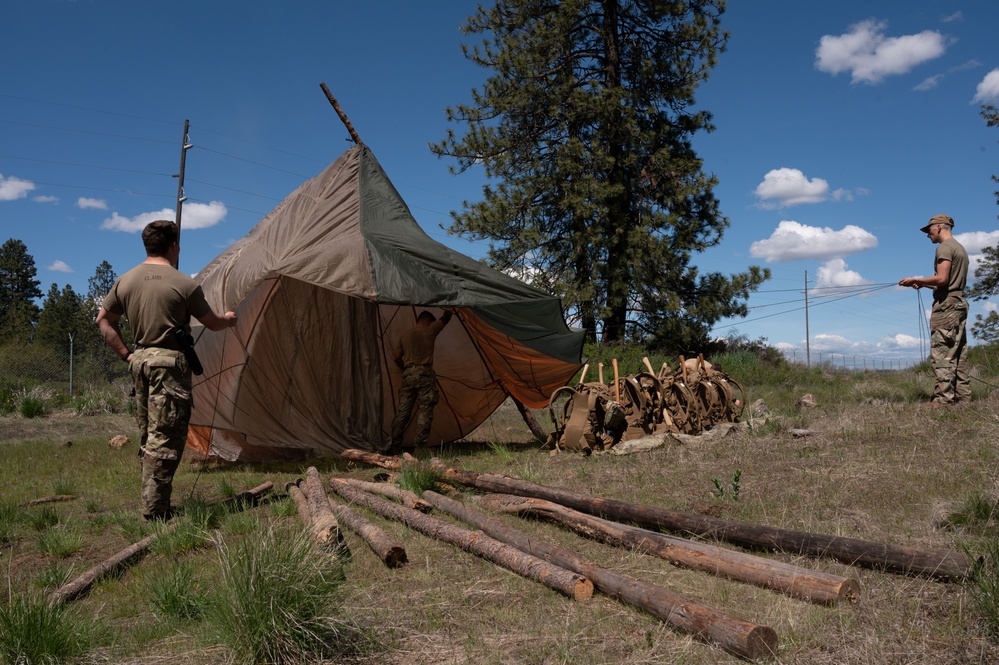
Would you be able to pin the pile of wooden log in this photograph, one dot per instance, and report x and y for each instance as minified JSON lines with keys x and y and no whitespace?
{"x":612,"y":521}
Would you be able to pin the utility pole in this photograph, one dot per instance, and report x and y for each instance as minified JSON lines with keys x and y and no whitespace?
{"x":808,"y":348}
{"x":185,"y":146}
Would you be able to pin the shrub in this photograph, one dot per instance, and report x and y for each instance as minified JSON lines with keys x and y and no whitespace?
{"x":33,"y":632}
{"x":32,"y":407}
{"x":278,"y":602}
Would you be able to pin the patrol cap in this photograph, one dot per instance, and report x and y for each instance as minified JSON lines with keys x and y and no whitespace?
{"x":938,"y":219}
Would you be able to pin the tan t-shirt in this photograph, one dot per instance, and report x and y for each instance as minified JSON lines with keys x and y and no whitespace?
{"x":156,"y":299}
{"x":951,"y":250}
{"x":417,"y":343}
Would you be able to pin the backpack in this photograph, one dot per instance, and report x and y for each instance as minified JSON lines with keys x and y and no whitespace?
{"x":595,"y":416}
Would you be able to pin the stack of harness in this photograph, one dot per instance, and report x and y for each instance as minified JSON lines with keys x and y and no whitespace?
{"x":689,"y":400}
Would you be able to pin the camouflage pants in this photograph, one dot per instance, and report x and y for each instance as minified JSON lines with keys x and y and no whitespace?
{"x":162,"y":410}
{"x":949,"y":350}
{"x":419,"y":389}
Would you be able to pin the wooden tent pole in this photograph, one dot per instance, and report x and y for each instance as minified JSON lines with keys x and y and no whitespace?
{"x":343,"y":116}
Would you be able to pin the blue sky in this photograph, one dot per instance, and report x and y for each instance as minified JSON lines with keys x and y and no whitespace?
{"x":841,"y":128}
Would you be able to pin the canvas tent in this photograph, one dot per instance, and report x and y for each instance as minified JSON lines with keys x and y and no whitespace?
{"x":324,"y":285}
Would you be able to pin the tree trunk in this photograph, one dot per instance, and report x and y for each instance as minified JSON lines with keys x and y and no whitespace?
{"x":294,"y":490}
{"x":325,"y":528}
{"x":793,"y":580}
{"x":387,"y":548}
{"x":569,"y":584}
{"x":742,"y":638}
{"x":937,"y":563}
{"x":405,"y":497}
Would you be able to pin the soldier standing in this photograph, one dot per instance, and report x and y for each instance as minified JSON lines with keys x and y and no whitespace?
{"x":415,"y":357}
{"x":948,"y":337}
{"x":156,"y":299}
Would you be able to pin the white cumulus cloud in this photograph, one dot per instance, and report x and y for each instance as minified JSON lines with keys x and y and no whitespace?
{"x":85,"y":203}
{"x":834,"y":273}
{"x":870,"y":55}
{"x":195,"y":216}
{"x":60,"y":266}
{"x":12,"y":188}
{"x":791,"y":241}
{"x":899,"y":341}
{"x":988,"y":89}
{"x":787,"y":187}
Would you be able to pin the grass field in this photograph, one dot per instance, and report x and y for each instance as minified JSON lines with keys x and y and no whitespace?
{"x":878,"y":464}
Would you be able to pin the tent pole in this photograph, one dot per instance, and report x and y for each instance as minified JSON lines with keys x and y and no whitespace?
{"x":343,"y":116}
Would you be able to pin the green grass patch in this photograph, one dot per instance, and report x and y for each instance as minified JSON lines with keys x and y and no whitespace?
{"x":277,"y":602}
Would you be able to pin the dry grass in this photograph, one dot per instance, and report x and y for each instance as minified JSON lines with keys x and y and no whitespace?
{"x":878,"y":466}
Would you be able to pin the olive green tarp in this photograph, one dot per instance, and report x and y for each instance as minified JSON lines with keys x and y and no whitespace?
{"x":324,"y":286}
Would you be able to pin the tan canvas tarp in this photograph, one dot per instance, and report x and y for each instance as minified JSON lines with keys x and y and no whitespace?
{"x":324,"y":286}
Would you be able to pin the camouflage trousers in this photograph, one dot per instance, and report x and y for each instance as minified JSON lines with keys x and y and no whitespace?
{"x":419,"y":389}
{"x":163,"y":403}
{"x":949,"y":350}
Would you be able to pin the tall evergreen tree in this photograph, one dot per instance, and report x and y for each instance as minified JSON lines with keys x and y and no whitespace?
{"x":987,"y":273}
{"x":62,"y":316}
{"x":18,"y":292}
{"x":584,"y":130}
{"x":98,"y":286}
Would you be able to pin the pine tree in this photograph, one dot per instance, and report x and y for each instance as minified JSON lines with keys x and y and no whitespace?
{"x":62,"y":317}
{"x":987,"y":272}
{"x":18,"y":292}
{"x":596,"y":193}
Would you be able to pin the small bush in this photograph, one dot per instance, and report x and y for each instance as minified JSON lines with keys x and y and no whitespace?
{"x":33,"y":632}
{"x":175,"y":595}
{"x":60,"y":542}
{"x":32,"y":407}
{"x":100,"y":402}
{"x":277,"y":602}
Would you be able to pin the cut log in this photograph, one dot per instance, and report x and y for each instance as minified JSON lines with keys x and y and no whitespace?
{"x":325,"y":528}
{"x":250,"y":497}
{"x":816,"y":587}
{"x":391,"y":552}
{"x":565,"y":582}
{"x":739,"y":637}
{"x":294,"y":490}
{"x":81,"y":585}
{"x":49,"y":499}
{"x":403,"y":496}
{"x":937,"y":563}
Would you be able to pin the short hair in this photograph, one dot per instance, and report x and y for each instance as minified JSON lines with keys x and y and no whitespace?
{"x":426,"y":316}
{"x":158,"y":236}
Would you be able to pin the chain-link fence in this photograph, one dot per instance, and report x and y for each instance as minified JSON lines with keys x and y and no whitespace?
{"x":35,"y":378}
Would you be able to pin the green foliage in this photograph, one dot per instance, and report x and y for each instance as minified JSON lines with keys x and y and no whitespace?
{"x":43,"y":518}
{"x":277,"y":602}
{"x":732,"y":491}
{"x":419,"y":478}
{"x":32,"y":407}
{"x":586,"y":128}
{"x":54,"y":576}
{"x":175,"y":595}
{"x":60,"y":541}
{"x":32,"y":632}
{"x":983,"y":585}
{"x":103,"y":400}
{"x":18,"y":291}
